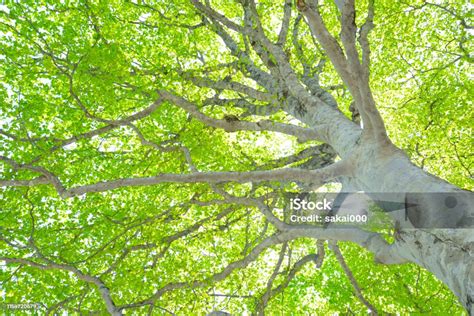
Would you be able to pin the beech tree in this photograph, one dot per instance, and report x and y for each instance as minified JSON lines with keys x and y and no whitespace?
{"x":148,"y":150}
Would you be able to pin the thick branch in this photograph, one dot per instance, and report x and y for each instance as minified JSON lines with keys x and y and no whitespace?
{"x":275,"y":52}
{"x":327,"y":41}
{"x":232,"y":86}
{"x":370,"y":240}
{"x":104,"y":291}
{"x":302,"y":133}
{"x":319,"y":176}
{"x":285,"y":24}
{"x":112,"y":124}
{"x":364,"y":41}
{"x":289,"y":174}
{"x":252,"y":256}
{"x":348,"y":68}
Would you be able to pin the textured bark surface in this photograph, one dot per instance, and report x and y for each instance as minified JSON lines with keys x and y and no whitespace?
{"x":447,"y":253}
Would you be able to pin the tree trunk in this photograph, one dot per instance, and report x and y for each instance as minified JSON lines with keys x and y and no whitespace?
{"x":446,"y":252}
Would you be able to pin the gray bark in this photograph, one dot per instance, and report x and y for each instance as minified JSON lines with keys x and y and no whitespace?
{"x":447,"y":253}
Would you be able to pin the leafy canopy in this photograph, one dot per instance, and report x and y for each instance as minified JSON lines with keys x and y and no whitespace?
{"x":69,"y":68}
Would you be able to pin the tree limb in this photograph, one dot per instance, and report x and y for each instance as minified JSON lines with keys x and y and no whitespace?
{"x":285,"y":24}
{"x":104,"y":291}
{"x":348,"y":67}
{"x":350,"y":276}
{"x":288,"y":174}
{"x":302,"y":133}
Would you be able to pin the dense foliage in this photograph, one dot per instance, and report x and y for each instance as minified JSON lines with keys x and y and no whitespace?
{"x":72,"y":74}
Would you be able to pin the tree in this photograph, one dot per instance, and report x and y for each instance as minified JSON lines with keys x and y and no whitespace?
{"x":148,"y":151}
